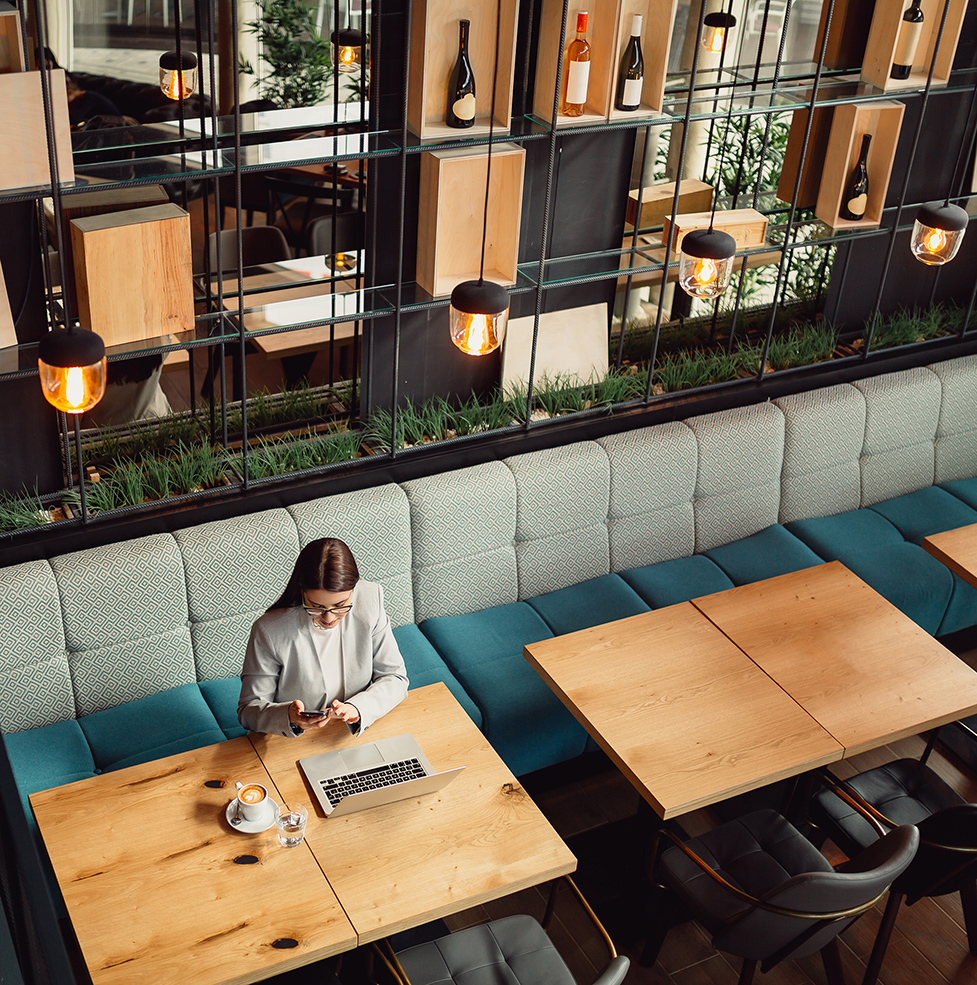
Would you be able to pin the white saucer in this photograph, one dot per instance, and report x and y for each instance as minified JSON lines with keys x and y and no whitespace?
{"x":252,"y":827}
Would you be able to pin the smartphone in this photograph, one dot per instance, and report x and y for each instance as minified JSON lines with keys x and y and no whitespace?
{"x":313,"y":714}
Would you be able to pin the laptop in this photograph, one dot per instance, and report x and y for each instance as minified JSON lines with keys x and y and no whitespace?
{"x":376,"y":773}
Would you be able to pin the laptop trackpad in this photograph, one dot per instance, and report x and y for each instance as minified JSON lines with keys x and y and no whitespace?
{"x":362,"y":757}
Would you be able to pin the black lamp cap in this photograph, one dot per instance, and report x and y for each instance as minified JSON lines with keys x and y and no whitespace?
{"x":709,"y":244}
{"x":348,"y":37}
{"x":950,"y":218}
{"x":173,"y":62}
{"x":719,"y":18}
{"x":480,"y":298}
{"x":66,"y":349}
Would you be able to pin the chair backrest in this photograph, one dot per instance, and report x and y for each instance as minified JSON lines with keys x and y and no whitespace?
{"x":350,"y":228}
{"x":947,"y":855}
{"x":259,"y":244}
{"x":758,"y":934}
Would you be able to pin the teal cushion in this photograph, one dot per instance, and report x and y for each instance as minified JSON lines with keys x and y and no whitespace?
{"x":965,"y":489}
{"x":961,"y":612}
{"x":222,"y":696}
{"x":766,"y":554}
{"x":835,"y":537}
{"x":49,"y":756}
{"x":425,"y":666}
{"x":587,"y":604}
{"x":670,"y":582}
{"x":527,"y":725}
{"x":172,"y":721}
{"x":924,"y":512}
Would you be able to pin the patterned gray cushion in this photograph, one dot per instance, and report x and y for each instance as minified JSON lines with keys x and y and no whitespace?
{"x":35,"y":686}
{"x":653,"y":473}
{"x":126,"y":620}
{"x":956,"y":431}
{"x":902,"y":411}
{"x":737,"y":493}
{"x":464,"y":525}
{"x":235,"y":569}
{"x":562,"y":497}
{"x":825,"y":430}
{"x":375,"y":523}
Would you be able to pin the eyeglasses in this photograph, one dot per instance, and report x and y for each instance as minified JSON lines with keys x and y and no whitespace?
{"x":318,"y":610}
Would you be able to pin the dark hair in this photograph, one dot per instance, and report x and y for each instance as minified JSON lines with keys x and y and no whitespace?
{"x":322,"y":565}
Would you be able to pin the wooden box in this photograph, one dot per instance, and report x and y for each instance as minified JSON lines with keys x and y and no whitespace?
{"x":433,"y":52}
{"x":884,"y":35}
{"x":851,"y":21}
{"x":817,"y":146}
{"x":747,"y":226}
{"x":132,"y":272}
{"x":8,"y":334}
{"x":450,"y":209}
{"x":11,"y":48}
{"x":882,"y":119}
{"x":23,"y":149}
{"x":657,"y":201}
{"x":656,"y":35}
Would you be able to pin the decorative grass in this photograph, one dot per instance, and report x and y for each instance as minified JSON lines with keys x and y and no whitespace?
{"x":908,"y":325}
{"x":21,"y":512}
{"x":691,"y":370}
{"x":801,"y":346}
{"x":285,"y":455}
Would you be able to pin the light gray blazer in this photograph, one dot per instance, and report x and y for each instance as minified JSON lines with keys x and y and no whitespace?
{"x":281,"y":664}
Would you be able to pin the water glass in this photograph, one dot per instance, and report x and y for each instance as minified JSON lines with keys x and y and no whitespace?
{"x":291,"y":825}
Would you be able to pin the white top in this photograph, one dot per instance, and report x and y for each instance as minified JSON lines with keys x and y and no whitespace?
{"x":329,"y":648}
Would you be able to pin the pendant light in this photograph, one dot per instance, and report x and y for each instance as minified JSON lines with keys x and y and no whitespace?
{"x":177,"y":74}
{"x":72,"y":367}
{"x":347,"y":49}
{"x":479,"y":312}
{"x":717,"y":23}
{"x":938,"y":232}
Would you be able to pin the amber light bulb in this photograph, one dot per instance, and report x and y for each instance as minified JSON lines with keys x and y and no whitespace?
{"x":479,"y":315}
{"x":706,"y":264}
{"x":938,"y":232}
{"x":177,"y":74}
{"x":717,"y":24}
{"x":72,"y":367}
{"x":347,"y":46}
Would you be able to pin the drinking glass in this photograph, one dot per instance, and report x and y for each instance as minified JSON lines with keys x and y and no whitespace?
{"x":290,"y":825}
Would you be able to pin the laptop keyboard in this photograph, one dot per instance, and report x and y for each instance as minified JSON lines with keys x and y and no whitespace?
{"x":338,"y":787}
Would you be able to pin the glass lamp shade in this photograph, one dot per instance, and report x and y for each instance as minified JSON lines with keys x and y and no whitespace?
{"x":706,"y":264}
{"x":717,"y":24}
{"x":479,"y":315}
{"x":347,"y":49}
{"x":72,"y":367}
{"x":938,"y":233}
{"x":177,"y":74}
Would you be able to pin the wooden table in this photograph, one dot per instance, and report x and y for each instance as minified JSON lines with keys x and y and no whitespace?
{"x":398,"y":866}
{"x":681,"y":710}
{"x":957,"y":549}
{"x":859,"y":666}
{"x":146,"y":862}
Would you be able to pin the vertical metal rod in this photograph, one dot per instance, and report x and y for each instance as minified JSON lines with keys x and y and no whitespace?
{"x":81,"y":468}
{"x":633,"y":251}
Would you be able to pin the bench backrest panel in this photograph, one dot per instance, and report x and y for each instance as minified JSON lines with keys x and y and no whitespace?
{"x":956,"y":431}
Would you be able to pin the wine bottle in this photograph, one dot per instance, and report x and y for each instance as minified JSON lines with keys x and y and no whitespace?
{"x":631,"y":74}
{"x":909,"y":31}
{"x":461,"y":87}
{"x":855,"y":198}
{"x":576,"y":72}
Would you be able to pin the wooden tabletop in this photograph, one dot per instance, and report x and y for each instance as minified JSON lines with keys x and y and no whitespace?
{"x":957,"y":549}
{"x":683,"y":712}
{"x":145,"y":860}
{"x":863,"y":670}
{"x":400,"y":865}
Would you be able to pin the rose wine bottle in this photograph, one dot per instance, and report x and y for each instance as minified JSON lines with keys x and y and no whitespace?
{"x":909,"y":31}
{"x":631,"y":74}
{"x":576,"y":71}
{"x":461,"y":87}
{"x":855,"y":198}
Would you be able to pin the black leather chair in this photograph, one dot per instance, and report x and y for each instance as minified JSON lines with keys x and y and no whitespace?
{"x":514,"y":950}
{"x":765,"y":893}
{"x":906,"y":791}
{"x":294,"y":205}
{"x":259,"y":244}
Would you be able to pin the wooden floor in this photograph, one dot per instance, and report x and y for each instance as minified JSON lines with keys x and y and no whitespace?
{"x":599,"y":817}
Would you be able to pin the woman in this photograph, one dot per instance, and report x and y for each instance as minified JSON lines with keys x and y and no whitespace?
{"x":324,"y":650}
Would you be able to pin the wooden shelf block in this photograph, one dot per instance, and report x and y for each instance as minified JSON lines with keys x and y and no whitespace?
{"x":132,"y":272}
{"x":23,"y":149}
{"x":8,"y":335}
{"x":450,"y":209}
{"x":817,"y":147}
{"x":657,"y":201}
{"x":11,"y":48}
{"x":747,"y":226}
{"x":658,"y":17}
{"x":882,"y":119}
{"x":851,"y":21}
{"x":883,"y":36}
{"x":433,"y":52}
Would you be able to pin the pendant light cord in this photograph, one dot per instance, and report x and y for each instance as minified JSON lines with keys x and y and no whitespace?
{"x":488,"y":162}
{"x":729,"y":115}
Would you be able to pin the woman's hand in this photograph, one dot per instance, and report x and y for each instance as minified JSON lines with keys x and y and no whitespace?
{"x":344,"y":712}
{"x":295,"y":710}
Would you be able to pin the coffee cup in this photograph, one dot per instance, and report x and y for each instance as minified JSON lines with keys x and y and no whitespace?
{"x":252,"y":799}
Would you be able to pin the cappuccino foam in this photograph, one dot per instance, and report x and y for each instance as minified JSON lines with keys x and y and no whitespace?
{"x":251,"y":794}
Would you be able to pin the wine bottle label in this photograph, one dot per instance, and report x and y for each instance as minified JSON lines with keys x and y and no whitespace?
{"x":577,"y":80}
{"x":632,"y":92}
{"x":907,"y":43}
{"x":464,"y":108}
{"x":857,"y":205}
